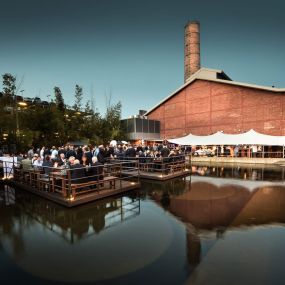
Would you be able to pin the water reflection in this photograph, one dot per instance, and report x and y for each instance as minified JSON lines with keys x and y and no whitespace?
{"x":217,"y":203}
{"x":246,"y":171}
{"x":233,"y":226}
{"x":72,"y":225}
{"x":7,"y":221}
{"x":193,"y":245}
{"x":165,"y":233}
{"x":102,"y":242}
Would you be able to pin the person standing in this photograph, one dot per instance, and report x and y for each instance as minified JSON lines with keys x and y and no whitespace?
{"x":47,"y":165}
{"x":54,"y":153}
{"x":165,"y":151}
{"x":42,"y":152}
{"x":61,"y":150}
{"x":131,"y":152}
{"x":46,"y":152}
{"x":236,"y":151}
{"x":87,"y":152}
{"x":248,"y":151}
{"x":61,"y":160}
{"x":70,"y":152}
{"x":38,"y":162}
{"x":101,"y":156}
{"x":31,"y":153}
{"x":254,"y":150}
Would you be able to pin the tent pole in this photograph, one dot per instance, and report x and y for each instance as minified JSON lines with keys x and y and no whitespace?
{"x":263,"y":151}
{"x":283,"y":151}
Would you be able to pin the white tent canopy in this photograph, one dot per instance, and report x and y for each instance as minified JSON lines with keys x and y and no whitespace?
{"x":249,"y":138}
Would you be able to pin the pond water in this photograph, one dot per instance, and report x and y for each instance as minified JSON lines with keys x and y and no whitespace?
{"x":221,"y":225}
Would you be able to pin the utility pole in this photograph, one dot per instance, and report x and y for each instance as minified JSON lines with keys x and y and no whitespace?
{"x":17,"y":116}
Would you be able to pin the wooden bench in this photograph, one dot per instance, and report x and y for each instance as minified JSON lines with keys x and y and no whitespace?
{"x":78,"y":188}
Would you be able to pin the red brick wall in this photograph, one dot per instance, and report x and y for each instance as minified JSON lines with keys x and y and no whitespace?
{"x":205,"y":107}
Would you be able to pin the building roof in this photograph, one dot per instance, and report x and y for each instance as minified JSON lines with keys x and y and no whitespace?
{"x":214,"y":75}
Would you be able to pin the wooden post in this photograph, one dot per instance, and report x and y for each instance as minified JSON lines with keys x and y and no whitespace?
{"x":69,"y":184}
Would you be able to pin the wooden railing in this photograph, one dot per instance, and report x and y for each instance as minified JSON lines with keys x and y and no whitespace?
{"x":72,"y":181}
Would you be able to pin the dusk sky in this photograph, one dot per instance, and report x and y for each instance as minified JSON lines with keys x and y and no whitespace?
{"x":134,"y":49}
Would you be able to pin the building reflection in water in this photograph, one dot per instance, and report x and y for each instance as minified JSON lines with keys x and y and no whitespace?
{"x":193,"y":245}
{"x":208,"y":205}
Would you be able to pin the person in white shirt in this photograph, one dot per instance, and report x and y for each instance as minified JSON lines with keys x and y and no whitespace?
{"x":54,"y":153}
{"x":254,"y":150}
{"x":35,"y":157}
{"x":31,"y":153}
{"x":38,"y":162}
{"x":42,"y":152}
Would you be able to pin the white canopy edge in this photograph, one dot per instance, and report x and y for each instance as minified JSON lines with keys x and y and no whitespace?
{"x":249,"y":138}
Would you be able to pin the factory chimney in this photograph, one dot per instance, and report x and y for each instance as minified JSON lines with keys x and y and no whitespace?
{"x":191,"y":49}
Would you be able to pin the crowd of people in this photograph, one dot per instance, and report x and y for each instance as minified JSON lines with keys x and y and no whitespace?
{"x":88,"y":161}
{"x":61,"y":155}
{"x":231,"y":151}
{"x":86,"y":158}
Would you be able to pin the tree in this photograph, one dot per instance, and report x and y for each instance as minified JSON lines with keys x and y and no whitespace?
{"x":56,"y":124}
{"x":78,"y":98}
{"x":92,"y":125}
{"x":9,"y":84}
{"x":110,"y":128}
{"x":8,"y":121}
{"x":59,"y":99}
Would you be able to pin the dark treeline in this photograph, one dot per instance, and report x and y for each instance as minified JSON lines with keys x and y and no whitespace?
{"x":25,"y":123}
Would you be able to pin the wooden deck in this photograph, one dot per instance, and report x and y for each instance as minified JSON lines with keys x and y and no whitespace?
{"x":80,"y":199}
{"x":156,"y":175}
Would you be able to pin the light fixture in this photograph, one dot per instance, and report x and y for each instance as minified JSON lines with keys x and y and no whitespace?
{"x":23,"y":104}
{"x":71,"y":198}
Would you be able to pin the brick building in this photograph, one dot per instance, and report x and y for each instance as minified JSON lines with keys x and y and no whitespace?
{"x":209,"y":101}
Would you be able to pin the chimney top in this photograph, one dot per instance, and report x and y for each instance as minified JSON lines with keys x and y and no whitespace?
{"x":191,"y":22}
{"x":191,"y":48}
